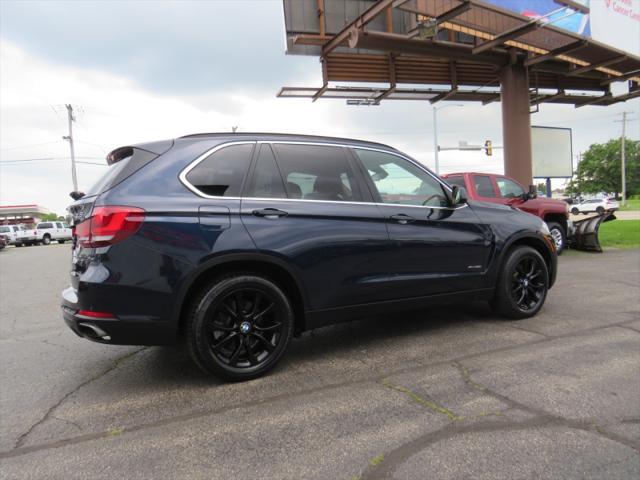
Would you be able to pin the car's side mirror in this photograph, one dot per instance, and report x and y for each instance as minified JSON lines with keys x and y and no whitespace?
{"x":458,"y":195}
{"x":532,"y":193}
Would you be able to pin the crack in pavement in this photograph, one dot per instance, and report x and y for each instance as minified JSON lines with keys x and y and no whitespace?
{"x":49,"y":413}
{"x":395,"y":458}
{"x":19,"y":450}
{"x":629,"y":327}
{"x":430,"y":404}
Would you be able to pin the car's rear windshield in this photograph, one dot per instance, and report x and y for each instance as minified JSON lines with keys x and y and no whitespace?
{"x":130,"y":162}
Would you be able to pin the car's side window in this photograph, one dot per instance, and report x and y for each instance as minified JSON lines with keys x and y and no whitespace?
{"x":484,"y":186}
{"x":399,"y":181}
{"x":43,"y":226}
{"x":221,"y":174}
{"x":317,"y":172}
{"x":58,"y":225}
{"x":509,"y":188}
{"x":266,"y":181}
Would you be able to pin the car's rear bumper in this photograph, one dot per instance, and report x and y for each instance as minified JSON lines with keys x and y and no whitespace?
{"x":119,"y":330}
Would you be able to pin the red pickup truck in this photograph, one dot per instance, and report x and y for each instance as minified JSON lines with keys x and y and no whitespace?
{"x":489,"y":187}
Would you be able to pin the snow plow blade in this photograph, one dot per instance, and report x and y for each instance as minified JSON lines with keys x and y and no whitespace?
{"x":585,"y":233}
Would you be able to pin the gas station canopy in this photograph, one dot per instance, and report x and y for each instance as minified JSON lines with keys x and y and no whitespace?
{"x":456,"y":47}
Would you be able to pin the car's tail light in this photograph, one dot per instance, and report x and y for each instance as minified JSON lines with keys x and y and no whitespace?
{"x":109,"y":225}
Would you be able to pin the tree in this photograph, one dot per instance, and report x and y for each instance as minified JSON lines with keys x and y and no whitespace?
{"x":542,"y":188}
{"x":600,"y":169}
{"x":49,"y":217}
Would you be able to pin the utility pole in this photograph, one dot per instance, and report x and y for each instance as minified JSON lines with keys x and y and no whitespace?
{"x":72,"y":119}
{"x":623,"y":159}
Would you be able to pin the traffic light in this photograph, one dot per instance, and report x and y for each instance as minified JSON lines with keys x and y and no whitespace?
{"x":488,"y":148}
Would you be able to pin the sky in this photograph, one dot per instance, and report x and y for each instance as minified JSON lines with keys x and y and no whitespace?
{"x":139,"y":71}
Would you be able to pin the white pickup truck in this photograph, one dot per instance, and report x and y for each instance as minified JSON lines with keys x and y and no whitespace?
{"x":54,"y":230}
{"x":19,"y":235}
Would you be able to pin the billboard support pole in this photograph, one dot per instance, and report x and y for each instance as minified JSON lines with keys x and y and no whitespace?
{"x":548,"y":187}
{"x":516,"y":123}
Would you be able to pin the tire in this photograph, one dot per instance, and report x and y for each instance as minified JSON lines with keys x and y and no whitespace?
{"x":232,"y":336}
{"x":599,"y":210}
{"x":46,"y":240}
{"x":18,"y":244}
{"x":510,"y":284}
{"x":559,"y":236}
{"x":575,"y":211}
{"x":60,"y":242}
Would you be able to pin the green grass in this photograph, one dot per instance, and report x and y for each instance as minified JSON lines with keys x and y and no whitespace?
{"x":620,"y":234}
{"x":632,"y":204}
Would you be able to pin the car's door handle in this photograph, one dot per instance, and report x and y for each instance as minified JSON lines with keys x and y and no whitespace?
{"x":403,"y":219}
{"x":270,"y":213}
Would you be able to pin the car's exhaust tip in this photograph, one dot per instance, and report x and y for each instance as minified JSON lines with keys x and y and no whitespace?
{"x":93,"y":332}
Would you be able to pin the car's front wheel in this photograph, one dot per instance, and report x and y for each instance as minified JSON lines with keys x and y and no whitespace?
{"x":239,"y":326}
{"x":600,"y":210}
{"x":575,"y":211}
{"x":522,"y":284}
{"x":559,"y":236}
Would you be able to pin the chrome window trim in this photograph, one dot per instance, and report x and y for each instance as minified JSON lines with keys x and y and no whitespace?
{"x":183,"y":174}
{"x":201,"y":158}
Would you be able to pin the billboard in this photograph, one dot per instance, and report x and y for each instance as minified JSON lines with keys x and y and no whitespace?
{"x":617,"y":23}
{"x":577,"y":22}
{"x":613,"y":22}
{"x":552,"y":152}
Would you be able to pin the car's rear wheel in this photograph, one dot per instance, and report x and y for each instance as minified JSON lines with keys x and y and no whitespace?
{"x":61,"y":241}
{"x":559,"y":236}
{"x":239,"y":327}
{"x":575,"y":211}
{"x":46,"y":240}
{"x":600,"y":210}
{"x":522,"y":285}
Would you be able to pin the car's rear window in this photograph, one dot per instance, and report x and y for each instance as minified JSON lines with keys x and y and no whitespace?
{"x":131,"y":160}
{"x":221,"y":174}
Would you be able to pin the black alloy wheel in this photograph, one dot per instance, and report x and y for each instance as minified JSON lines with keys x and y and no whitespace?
{"x":522,"y":284}
{"x":528,"y":287}
{"x":240,"y":327}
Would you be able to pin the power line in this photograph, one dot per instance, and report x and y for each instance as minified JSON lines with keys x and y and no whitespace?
{"x":44,"y":159}
{"x":28,"y":146}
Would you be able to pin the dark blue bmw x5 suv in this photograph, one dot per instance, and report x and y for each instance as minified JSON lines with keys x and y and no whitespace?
{"x":237,"y":242}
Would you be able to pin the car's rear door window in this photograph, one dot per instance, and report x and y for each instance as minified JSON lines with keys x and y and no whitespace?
{"x":43,"y":226}
{"x":266,"y":181}
{"x":400,"y":182}
{"x":222,"y":173}
{"x":317,"y":172}
{"x":484,"y":186}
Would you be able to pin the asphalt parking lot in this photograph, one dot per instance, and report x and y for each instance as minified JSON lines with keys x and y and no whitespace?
{"x":446,"y":394}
